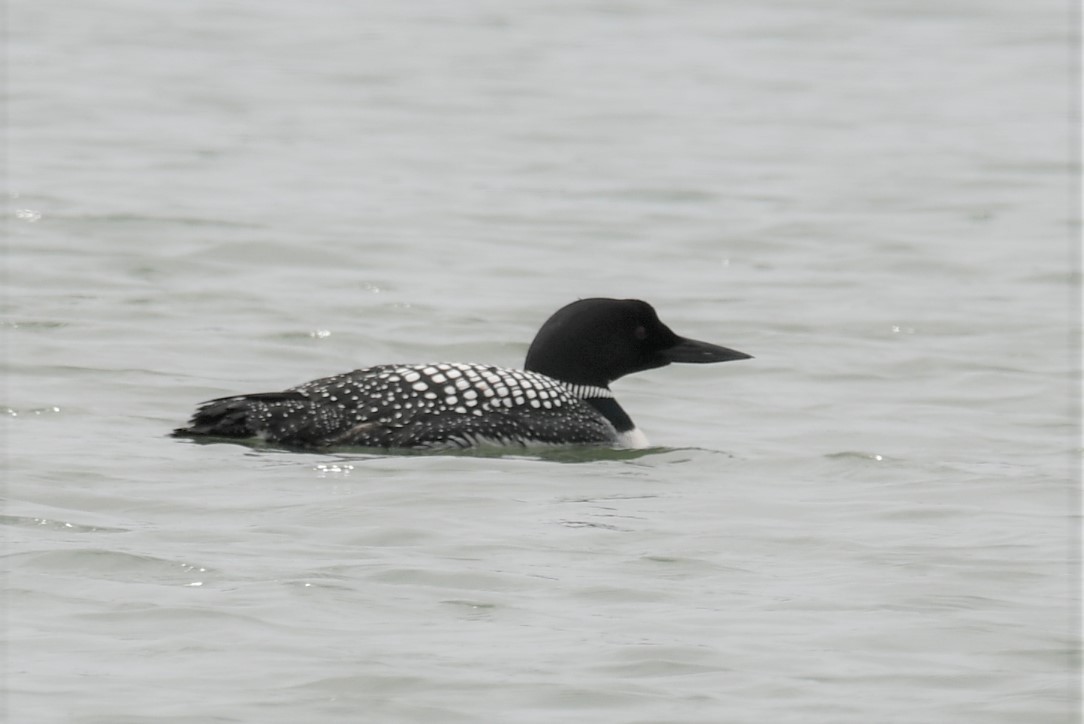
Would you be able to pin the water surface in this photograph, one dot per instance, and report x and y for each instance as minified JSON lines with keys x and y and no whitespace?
{"x":875,"y":520}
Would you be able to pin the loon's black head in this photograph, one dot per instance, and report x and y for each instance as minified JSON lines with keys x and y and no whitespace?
{"x":596,"y":341}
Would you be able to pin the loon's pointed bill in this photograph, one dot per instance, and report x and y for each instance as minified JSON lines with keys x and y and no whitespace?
{"x":561,"y":396}
{"x":694,"y":351}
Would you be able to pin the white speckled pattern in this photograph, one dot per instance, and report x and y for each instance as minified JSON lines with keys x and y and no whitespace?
{"x":419,"y":406}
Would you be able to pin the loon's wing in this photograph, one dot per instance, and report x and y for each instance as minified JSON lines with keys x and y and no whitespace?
{"x":319,"y":413}
{"x":516,"y":426}
{"x":290,"y":418}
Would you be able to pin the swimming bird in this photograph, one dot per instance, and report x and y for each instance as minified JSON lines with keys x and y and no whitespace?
{"x":561,"y":396}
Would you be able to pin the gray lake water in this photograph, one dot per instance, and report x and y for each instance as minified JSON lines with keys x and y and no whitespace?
{"x":874,"y":520}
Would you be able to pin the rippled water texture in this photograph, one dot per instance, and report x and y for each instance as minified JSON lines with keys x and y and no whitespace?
{"x":874,"y":520}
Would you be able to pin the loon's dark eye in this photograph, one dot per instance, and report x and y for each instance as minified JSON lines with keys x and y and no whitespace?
{"x":640,"y":333}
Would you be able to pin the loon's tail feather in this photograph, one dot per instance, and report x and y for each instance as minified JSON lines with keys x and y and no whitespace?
{"x":233,"y":416}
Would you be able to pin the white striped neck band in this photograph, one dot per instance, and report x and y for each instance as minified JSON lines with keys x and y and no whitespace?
{"x":583,"y":392}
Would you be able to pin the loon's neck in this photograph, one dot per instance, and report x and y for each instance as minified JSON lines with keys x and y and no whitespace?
{"x":608,"y":408}
{"x":601,"y":399}
{"x":588,"y":392}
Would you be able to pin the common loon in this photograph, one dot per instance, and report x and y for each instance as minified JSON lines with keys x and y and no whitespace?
{"x":562,"y":396}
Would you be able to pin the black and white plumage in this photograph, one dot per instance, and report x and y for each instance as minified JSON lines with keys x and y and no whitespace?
{"x":561,"y":397}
